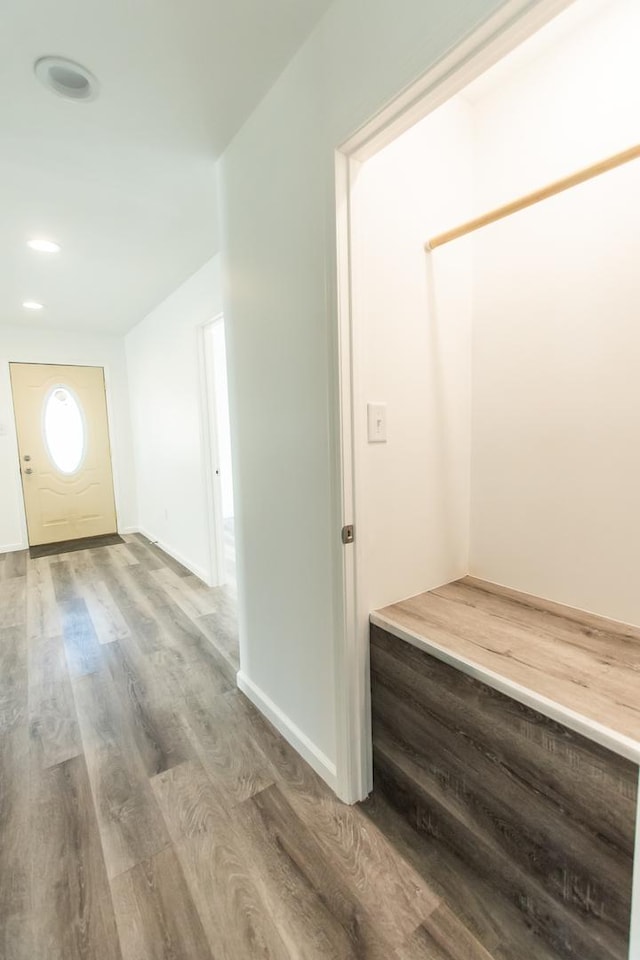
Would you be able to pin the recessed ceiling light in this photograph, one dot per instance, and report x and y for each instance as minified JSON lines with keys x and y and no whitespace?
{"x":66,"y":78}
{"x":32,"y":305}
{"x":44,"y":246}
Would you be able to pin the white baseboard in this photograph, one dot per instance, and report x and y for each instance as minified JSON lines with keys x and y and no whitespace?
{"x":292,"y":734}
{"x":198,"y":571}
{"x":12,"y":547}
{"x":124,"y":530}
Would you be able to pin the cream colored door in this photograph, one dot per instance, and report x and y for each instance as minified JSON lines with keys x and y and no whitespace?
{"x":65,"y":458}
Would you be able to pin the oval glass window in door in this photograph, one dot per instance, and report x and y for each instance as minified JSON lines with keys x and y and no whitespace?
{"x":64,"y":430}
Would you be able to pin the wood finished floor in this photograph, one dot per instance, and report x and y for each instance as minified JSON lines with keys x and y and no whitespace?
{"x":148,"y":812}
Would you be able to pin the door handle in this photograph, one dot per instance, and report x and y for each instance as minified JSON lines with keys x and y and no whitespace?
{"x":28,"y":470}
{"x":27,"y":457}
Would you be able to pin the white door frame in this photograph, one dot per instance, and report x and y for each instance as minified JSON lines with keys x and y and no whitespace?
{"x":514,"y":22}
{"x":209,"y":433}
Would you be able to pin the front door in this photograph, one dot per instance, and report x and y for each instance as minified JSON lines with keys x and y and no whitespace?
{"x":65,"y":458}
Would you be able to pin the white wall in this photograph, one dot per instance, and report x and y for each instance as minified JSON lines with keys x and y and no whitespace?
{"x":163,"y":359}
{"x":278,"y":237}
{"x":31,"y":344}
{"x":556,"y":355}
{"x":413,"y":350}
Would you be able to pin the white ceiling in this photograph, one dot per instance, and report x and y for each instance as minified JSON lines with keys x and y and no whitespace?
{"x":125,"y":183}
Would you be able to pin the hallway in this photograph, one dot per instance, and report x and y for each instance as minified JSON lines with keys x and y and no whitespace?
{"x":147,"y":810}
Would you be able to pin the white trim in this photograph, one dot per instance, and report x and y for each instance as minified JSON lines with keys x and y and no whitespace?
{"x":12,"y":547}
{"x":114,"y":451}
{"x":634,"y":934}
{"x":514,"y":22}
{"x":498,"y":35}
{"x":208,"y":437}
{"x":353,"y":713}
{"x":199,"y":572}
{"x":292,"y":734}
{"x":123,"y":531}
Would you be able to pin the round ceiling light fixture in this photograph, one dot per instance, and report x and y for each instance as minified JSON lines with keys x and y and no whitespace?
{"x":66,"y":78}
{"x":32,"y":305}
{"x":43,"y":246}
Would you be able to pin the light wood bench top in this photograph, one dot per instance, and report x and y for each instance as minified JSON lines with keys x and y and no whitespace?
{"x":578,"y":668}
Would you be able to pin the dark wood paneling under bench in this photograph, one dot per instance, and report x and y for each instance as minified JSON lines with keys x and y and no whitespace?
{"x":542,"y":813}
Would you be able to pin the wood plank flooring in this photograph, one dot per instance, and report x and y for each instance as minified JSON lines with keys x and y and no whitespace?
{"x":148,"y":812}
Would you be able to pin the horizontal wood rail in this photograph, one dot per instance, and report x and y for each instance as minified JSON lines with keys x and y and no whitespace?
{"x":587,"y":173}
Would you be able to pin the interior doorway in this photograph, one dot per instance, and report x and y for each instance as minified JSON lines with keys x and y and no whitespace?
{"x":64,"y":450}
{"x":426,"y":498}
{"x":219,"y":428}
{"x":487,"y":251}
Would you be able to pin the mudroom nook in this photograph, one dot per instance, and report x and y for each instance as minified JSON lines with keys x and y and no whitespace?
{"x":496,"y":350}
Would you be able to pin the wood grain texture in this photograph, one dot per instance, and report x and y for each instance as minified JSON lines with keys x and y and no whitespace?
{"x":194,"y":603}
{"x":13,"y":564}
{"x":580,"y":661}
{"x":165,"y":559}
{"x":497,"y":784}
{"x":389,"y":888}
{"x":15,"y":833}
{"x":289,"y":834}
{"x":108,"y":622}
{"x":71,"y":898}
{"x":148,"y":810}
{"x":52,"y":713}
{"x":13,"y":605}
{"x":144,"y":556}
{"x":13,"y":677}
{"x":221,"y":866}
{"x":492,"y":921}
{"x":121,"y":555}
{"x":80,"y":640}
{"x":231,"y":757}
{"x":444,"y":937}
{"x":148,"y":708}
{"x":129,"y":821}
{"x":64,"y":582}
{"x":222,"y":626}
{"x":185,"y":672}
{"x":43,"y":614}
{"x":157,"y":917}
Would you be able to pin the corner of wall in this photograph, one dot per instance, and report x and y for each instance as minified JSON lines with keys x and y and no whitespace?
{"x":322,"y":765}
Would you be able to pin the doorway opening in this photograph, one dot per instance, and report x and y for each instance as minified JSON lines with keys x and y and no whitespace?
{"x":446,"y":340}
{"x":219,"y":444}
{"x":489,"y":404}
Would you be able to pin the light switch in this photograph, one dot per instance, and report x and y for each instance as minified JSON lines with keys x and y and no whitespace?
{"x":377,"y":422}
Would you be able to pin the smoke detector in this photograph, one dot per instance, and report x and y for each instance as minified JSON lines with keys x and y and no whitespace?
{"x":66,"y":78}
